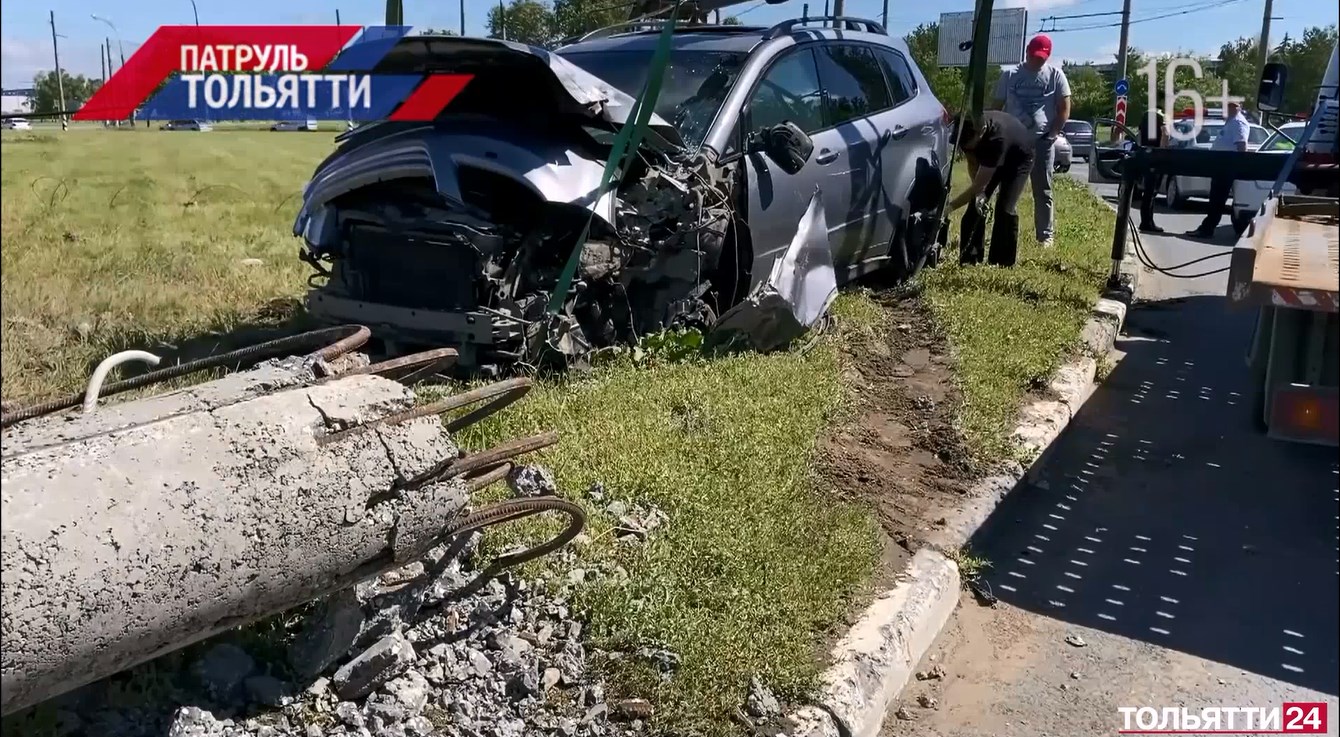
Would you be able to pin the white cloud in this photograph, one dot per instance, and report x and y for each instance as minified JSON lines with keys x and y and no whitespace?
{"x":23,"y":58}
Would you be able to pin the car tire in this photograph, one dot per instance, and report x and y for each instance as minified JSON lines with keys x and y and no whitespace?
{"x":1173,"y":194}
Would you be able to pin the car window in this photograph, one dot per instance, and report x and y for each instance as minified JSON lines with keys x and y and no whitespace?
{"x":853,"y":81}
{"x":1076,"y":126}
{"x":1257,"y":135}
{"x":695,"y":84}
{"x":1207,"y":132}
{"x":789,"y":91}
{"x":1277,"y":142}
{"x":902,"y":83}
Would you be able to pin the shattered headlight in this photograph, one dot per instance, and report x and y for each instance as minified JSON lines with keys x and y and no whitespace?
{"x":318,"y":228}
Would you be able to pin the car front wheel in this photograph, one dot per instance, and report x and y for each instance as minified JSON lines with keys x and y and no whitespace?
{"x":1173,"y":194}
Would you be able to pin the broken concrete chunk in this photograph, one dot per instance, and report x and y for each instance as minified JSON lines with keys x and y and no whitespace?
{"x":191,"y":721}
{"x":761,"y":702}
{"x":329,"y":635}
{"x":390,"y":657}
{"x":527,"y":481}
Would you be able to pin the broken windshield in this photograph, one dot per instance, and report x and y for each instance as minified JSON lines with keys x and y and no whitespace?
{"x":696,"y":83}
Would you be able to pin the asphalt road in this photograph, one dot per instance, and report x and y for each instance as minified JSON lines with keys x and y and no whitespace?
{"x":1195,"y":559}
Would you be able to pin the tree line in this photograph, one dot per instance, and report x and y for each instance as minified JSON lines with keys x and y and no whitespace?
{"x":546,"y":24}
{"x":1092,"y":87}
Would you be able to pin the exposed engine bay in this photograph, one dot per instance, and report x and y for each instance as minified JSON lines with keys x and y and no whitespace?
{"x":481,"y":271}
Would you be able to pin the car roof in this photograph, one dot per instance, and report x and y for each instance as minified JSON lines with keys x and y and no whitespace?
{"x":740,"y":39}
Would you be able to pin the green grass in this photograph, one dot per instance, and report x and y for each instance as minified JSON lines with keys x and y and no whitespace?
{"x":1011,"y":328}
{"x":112,"y":239}
{"x":755,"y":564}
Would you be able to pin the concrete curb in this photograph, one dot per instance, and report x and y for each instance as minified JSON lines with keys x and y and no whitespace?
{"x":878,"y":655}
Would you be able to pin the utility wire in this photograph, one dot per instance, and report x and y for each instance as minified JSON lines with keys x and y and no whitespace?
{"x":1194,"y":9}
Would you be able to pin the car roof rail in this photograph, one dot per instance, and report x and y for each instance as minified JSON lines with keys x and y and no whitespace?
{"x":649,"y":25}
{"x":625,"y":27}
{"x":853,"y":24}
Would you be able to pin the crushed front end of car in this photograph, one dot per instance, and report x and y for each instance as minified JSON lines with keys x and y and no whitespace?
{"x":455,"y":233}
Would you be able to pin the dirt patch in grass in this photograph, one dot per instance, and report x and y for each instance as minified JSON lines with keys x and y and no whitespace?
{"x":898,"y":450}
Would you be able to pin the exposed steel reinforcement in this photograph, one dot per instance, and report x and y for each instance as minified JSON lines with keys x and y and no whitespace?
{"x":325,"y":345}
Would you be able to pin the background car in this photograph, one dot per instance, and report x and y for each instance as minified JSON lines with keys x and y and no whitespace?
{"x":1063,"y":152}
{"x":1249,"y":196}
{"x":1080,"y":135}
{"x":295,"y":125}
{"x":18,"y":124}
{"x":1178,"y":189}
{"x":186,"y":125}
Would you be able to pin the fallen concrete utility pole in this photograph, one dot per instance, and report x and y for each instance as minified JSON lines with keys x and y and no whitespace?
{"x":139,"y":528}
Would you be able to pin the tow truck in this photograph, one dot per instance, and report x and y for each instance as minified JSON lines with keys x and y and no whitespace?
{"x":1285,"y":265}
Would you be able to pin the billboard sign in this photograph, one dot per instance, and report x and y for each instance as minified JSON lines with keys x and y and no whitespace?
{"x":1009,"y":26}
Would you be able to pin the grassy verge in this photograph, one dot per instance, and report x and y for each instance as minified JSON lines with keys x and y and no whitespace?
{"x":1011,"y":328}
{"x":754,"y":566}
{"x":111,"y":241}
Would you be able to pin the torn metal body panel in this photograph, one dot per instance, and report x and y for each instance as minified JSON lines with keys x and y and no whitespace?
{"x":793,"y":297}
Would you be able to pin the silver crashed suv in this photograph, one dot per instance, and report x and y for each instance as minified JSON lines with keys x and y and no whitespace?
{"x":456,"y":232}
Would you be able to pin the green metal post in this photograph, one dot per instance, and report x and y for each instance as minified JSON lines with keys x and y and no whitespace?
{"x":981,"y":40}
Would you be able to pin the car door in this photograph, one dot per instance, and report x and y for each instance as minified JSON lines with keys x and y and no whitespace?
{"x":789,"y":90}
{"x":916,"y":125}
{"x":856,"y":97}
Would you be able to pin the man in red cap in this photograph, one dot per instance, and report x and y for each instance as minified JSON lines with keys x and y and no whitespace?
{"x":1037,"y":93}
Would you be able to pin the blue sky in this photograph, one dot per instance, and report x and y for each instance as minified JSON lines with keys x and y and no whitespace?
{"x":1201,"y":25}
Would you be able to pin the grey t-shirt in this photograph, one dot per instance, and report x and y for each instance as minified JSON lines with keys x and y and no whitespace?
{"x":1033,"y":97}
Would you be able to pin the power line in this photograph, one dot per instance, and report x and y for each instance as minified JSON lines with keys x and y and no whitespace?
{"x":1204,"y":6}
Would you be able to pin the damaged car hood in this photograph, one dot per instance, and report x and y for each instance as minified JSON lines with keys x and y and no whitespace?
{"x":545,"y":164}
{"x":492,"y":124}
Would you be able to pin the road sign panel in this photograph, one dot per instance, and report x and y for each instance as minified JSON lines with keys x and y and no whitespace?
{"x":1121,"y":104}
{"x":1123,"y":87}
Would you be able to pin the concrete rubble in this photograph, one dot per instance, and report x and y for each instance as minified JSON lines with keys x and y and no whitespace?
{"x":506,"y":660}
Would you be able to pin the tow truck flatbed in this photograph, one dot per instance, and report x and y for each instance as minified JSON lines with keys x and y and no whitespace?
{"x":1290,"y":257}
{"x":1287,"y":267}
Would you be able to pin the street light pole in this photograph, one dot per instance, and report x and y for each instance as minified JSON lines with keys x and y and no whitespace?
{"x":119,"y":48}
{"x":60,"y":76}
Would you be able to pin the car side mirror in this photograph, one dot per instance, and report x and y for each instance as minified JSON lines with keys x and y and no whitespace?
{"x":785,"y":143}
{"x":1274,"y":78}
